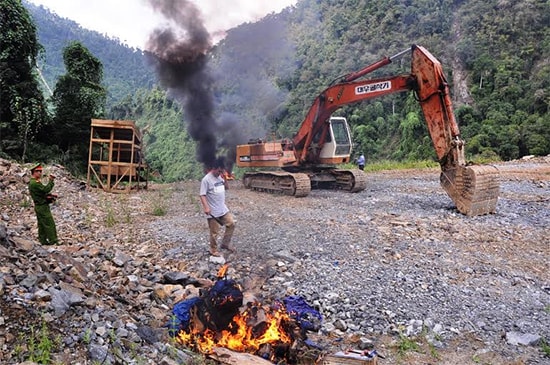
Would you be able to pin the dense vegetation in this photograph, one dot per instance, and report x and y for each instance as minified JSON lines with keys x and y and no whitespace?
{"x":22,"y":111}
{"x":125,"y":68}
{"x":78,"y":97}
{"x":500,"y":48}
{"x":495,"y":54}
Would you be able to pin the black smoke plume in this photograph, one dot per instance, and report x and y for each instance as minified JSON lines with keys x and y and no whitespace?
{"x":251,"y":103}
{"x":179,"y":52}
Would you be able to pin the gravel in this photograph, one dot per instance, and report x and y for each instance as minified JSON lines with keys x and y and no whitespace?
{"x":399,"y":259}
{"x":394,"y":262}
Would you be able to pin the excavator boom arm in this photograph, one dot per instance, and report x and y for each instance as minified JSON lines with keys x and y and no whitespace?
{"x":334,"y":97}
{"x":434,"y":97}
{"x":426,"y":79}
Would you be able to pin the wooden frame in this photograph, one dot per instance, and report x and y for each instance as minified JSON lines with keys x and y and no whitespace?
{"x":116,"y":162}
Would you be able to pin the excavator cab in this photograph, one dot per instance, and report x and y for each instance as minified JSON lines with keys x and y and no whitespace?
{"x":338,"y":145}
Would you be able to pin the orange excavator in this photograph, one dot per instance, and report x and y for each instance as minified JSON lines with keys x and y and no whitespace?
{"x":311,"y":158}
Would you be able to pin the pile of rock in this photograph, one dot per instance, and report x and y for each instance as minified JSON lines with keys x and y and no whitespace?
{"x":98,"y":298}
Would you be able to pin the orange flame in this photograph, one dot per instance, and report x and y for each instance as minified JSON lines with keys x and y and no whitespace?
{"x":240,"y":335}
{"x":228,"y":175}
{"x":222,"y":271}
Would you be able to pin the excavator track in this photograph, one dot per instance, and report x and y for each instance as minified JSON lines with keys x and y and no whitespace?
{"x":350,"y":180}
{"x":274,"y":182}
{"x":474,"y":189}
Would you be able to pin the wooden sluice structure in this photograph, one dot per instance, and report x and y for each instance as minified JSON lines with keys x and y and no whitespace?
{"x":116,"y":162}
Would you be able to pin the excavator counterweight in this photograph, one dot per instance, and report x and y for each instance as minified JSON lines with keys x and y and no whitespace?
{"x":309,"y":160}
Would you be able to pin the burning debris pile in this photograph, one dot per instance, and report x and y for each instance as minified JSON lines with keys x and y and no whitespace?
{"x":219,"y":318}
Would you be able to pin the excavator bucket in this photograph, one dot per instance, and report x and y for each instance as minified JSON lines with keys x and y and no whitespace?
{"x":474,"y":189}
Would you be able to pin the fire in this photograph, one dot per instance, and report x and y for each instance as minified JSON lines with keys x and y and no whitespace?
{"x":222,"y":271}
{"x":244,"y":333}
{"x":227,"y":175}
{"x":219,"y":317}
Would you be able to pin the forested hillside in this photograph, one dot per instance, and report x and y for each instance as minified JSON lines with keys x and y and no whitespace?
{"x":125,"y":69}
{"x":265,"y":75}
{"x":495,"y":54}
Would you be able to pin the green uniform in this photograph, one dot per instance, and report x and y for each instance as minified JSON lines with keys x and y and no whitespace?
{"x":47,"y":233}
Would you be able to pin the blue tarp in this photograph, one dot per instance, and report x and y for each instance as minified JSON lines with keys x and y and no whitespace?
{"x":307,"y":317}
{"x":180,"y":319}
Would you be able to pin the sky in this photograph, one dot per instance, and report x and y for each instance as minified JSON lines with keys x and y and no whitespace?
{"x":132,"y":21}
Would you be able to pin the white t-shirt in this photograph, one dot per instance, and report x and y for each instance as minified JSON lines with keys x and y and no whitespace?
{"x":214,"y":189}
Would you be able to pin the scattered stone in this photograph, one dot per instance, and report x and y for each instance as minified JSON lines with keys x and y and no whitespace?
{"x":525,"y":339}
{"x":394,"y":260}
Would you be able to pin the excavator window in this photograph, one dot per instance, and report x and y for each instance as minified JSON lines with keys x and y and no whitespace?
{"x":341,"y":137}
{"x":340,"y":133}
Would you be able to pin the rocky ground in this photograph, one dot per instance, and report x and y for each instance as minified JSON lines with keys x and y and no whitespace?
{"x":394,"y":267}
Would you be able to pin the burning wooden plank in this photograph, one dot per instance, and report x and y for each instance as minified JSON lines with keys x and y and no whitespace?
{"x":226,"y":356}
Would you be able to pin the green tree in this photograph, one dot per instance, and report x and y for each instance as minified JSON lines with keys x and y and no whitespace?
{"x":22,"y":105}
{"x":169,"y":149}
{"x":537,"y":135}
{"x":78,"y":97}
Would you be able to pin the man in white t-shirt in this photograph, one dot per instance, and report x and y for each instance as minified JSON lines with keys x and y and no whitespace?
{"x":212,"y":195}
